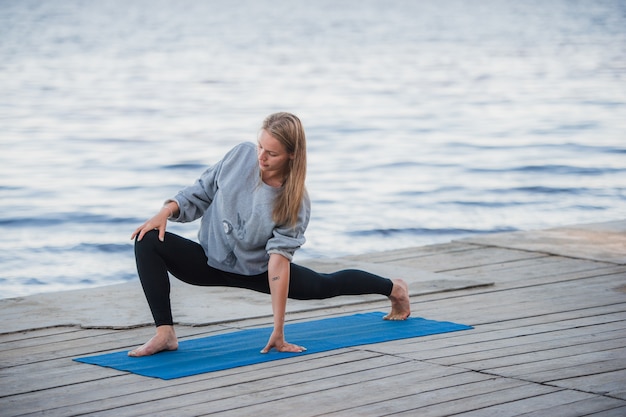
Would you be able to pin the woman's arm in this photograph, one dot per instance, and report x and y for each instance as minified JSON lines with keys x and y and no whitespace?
{"x":278,"y":275}
{"x":158,"y":221}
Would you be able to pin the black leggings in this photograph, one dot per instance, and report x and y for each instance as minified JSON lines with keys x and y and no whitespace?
{"x":186,"y":260}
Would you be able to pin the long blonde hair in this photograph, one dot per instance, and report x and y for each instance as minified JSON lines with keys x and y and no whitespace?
{"x":288,"y":130}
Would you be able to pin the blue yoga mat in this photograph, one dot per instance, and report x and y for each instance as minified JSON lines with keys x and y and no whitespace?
{"x":240,"y":348}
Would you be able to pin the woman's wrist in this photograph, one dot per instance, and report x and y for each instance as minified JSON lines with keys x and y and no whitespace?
{"x":169,"y":210}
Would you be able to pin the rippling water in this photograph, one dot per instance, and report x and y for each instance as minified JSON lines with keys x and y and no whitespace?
{"x":426,"y":120}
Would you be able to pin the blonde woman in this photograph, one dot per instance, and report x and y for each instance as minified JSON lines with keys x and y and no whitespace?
{"x":254,"y":209}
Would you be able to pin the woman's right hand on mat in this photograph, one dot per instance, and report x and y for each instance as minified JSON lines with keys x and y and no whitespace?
{"x":278,"y":342}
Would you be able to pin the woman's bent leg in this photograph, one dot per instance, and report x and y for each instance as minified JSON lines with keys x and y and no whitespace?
{"x":184,"y":258}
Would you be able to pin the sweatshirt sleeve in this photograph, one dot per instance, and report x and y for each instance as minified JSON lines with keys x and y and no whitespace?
{"x":194,"y":200}
{"x":286,"y":240}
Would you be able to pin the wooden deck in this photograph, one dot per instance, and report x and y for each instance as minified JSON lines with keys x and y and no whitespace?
{"x":549,"y":340}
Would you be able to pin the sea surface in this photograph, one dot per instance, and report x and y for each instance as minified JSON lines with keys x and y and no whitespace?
{"x":426,"y":121}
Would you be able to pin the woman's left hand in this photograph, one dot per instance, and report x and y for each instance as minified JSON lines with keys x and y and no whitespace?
{"x":277,"y":341}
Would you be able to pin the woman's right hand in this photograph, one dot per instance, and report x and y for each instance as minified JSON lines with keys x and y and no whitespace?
{"x":157,"y":222}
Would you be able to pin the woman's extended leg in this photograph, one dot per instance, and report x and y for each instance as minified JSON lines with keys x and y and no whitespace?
{"x":306,"y":284}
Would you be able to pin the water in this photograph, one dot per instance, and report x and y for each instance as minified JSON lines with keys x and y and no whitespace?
{"x":427,"y":121}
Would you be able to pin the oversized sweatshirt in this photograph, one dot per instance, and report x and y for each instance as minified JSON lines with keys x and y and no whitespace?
{"x":237,"y":232}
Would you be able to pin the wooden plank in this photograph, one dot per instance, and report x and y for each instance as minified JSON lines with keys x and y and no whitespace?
{"x":538,"y":276}
{"x":323,"y":398}
{"x":558,"y":371}
{"x":438,"y":401}
{"x":509,"y":347}
{"x":520,"y":308}
{"x":531,"y":404}
{"x":575,"y":281}
{"x":384,"y":396}
{"x":90,"y":342}
{"x":612,"y":384}
{"x":59,"y":376}
{"x":43,"y":338}
{"x":538,"y":296}
{"x":481,"y":256}
{"x":465,"y":342}
{"x":394,"y":256}
{"x":454,"y":406}
{"x":501,"y":398}
{"x":168,"y":399}
{"x":595,"y":282}
{"x":580,"y":408}
{"x":36,"y":333}
{"x":605,"y":349}
{"x":530,"y":269}
{"x":95,"y":395}
{"x":505,"y":346}
{"x":613,"y":412}
{"x":579,"y":368}
{"x":530,"y":327}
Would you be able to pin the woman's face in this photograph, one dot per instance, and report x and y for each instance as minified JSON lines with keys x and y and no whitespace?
{"x":273,"y":157}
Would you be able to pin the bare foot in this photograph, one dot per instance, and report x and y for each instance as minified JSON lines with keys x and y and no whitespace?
{"x":164,"y":339}
{"x":400,"y":303}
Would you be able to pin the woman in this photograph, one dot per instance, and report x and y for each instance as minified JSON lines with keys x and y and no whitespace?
{"x":254,"y":209}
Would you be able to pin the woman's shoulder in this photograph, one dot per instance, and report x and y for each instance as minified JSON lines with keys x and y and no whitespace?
{"x":240,"y":152}
{"x":244,"y":147}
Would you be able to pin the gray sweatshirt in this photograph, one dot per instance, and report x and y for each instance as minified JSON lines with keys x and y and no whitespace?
{"x":237,"y":231}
